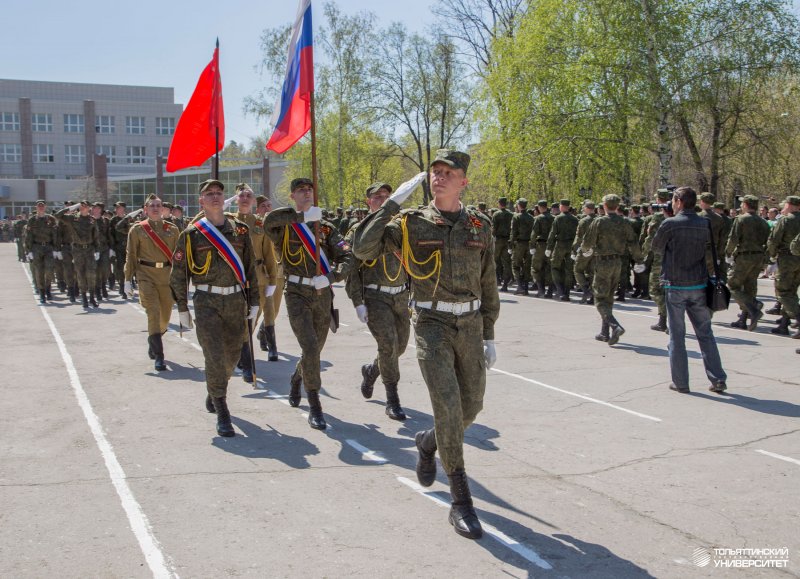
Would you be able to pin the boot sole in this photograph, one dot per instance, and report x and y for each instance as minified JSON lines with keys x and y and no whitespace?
{"x":466,"y":534}
{"x":615,"y":336}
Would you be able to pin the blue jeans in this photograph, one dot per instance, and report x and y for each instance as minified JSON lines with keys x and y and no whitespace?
{"x":693,"y":303}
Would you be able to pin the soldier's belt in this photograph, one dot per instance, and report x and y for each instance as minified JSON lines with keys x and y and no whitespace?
{"x":220,"y":290}
{"x":82,"y":245}
{"x":456,"y":309}
{"x":607,"y":257}
{"x":387,"y":289}
{"x":299,"y":280}
{"x":750,"y":253}
{"x":155,"y":264}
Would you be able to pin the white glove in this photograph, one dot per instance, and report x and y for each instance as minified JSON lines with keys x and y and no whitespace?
{"x":269,"y":291}
{"x":29,"y":255}
{"x":55,"y":255}
{"x":184,"y":317}
{"x":128,"y":288}
{"x":639,"y":268}
{"x":320,"y":282}
{"x":548,"y":252}
{"x":404,"y":190}
{"x":489,"y":353}
{"x":361,"y":312}
{"x":510,"y":251}
{"x":588,"y":253}
{"x":574,"y":257}
{"x":227,"y":203}
{"x":253,"y":312}
{"x":313,"y":214}
{"x":532,"y":252}
{"x":74,"y":207}
{"x":112,"y":253}
{"x":96,"y":255}
{"x":729,"y":260}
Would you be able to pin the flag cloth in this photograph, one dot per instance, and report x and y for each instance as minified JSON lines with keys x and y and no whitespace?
{"x":291,"y":117}
{"x":195,"y":139}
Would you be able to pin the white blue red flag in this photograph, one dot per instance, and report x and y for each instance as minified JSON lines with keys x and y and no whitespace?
{"x":291,"y":117}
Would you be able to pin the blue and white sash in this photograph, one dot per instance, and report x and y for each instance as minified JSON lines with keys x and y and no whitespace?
{"x":224,"y":247}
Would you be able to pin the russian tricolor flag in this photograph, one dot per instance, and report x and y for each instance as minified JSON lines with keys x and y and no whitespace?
{"x":292,"y":115}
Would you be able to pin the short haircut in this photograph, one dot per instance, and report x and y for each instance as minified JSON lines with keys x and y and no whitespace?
{"x":687,"y":195}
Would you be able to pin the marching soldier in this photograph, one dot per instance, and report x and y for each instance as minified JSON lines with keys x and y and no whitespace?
{"x":85,"y":254}
{"x":540,"y":265}
{"x":449,"y":257}
{"x":650,"y":225}
{"x":501,"y":230}
{"x":119,"y":243}
{"x":216,"y":254}
{"x":266,"y":332}
{"x":639,"y":279}
{"x":788,"y":278}
{"x":40,"y":239}
{"x":177,"y":217}
{"x":19,"y":236}
{"x":559,"y":249}
{"x":521,"y":226}
{"x":151,"y":243}
{"x":378,"y":289}
{"x":309,"y":297}
{"x":718,"y":233}
{"x":583,"y":265}
{"x":103,"y":247}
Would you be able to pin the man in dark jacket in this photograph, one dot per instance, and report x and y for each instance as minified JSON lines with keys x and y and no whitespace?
{"x":682,"y":241}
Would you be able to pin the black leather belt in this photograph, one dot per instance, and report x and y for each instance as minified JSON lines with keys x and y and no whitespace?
{"x":155,"y":264}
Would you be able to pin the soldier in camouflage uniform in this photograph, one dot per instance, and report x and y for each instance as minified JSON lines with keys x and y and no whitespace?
{"x":788,"y":278}
{"x":151,"y":264}
{"x":450,"y":259}
{"x":40,"y":239}
{"x":540,"y":265}
{"x":559,"y":249}
{"x":501,"y":230}
{"x":583,"y":265}
{"x":177,"y":217}
{"x":84,"y":233}
{"x":650,"y":225}
{"x":746,"y":250}
{"x":378,"y":289}
{"x":719,"y":209}
{"x":639,"y":279}
{"x":103,"y":247}
{"x":221,"y":305}
{"x":64,"y":248}
{"x":609,"y":237}
{"x":119,"y":243}
{"x":19,"y":236}
{"x":309,"y":297}
{"x":718,"y":234}
{"x":521,"y":225}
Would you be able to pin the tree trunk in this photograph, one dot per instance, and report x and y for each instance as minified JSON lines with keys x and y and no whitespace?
{"x":697,"y":160}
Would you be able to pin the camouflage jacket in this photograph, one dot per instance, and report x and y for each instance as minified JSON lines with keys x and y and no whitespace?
{"x":782,"y":235}
{"x":82,"y":229}
{"x":580,"y":232}
{"x":563,"y":231}
{"x":749,"y":234}
{"x":521,"y":227}
{"x":611,"y":235}
{"x":501,"y":223}
{"x":541,"y":228}
{"x":386,"y":270}
{"x":40,"y":231}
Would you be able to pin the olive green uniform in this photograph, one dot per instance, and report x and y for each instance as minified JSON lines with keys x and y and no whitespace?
{"x":540,"y":265}
{"x":521,"y":227}
{"x":559,"y":243}
{"x":103,"y":246}
{"x":84,"y":245}
{"x":718,"y":237}
{"x":64,"y":246}
{"x":656,"y":290}
{"x":19,"y":237}
{"x":501,"y":230}
{"x":583,"y":265}
{"x":747,"y":245}
{"x":266,"y":265}
{"x":40,"y":240}
{"x":119,"y":243}
{"x":788,"y":277}
{"x":456,"y":303}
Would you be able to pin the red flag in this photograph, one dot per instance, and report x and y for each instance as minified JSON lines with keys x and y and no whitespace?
{"x":195,"y":139}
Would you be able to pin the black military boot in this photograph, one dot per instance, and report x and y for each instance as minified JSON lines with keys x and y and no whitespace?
{"x":393,"y":408}
{"x":549,"y":293}
{"x":783,"y":326}
{"x":246,"y":363}
{"x":85,"y":301}
{"x":316,"y":419}
{"x":262,"y":338}
{"x":796,"y":336}
{"x":587,"y":294}
{"x":620,"y":295}
{"x":504,"y":286}
{"x":559,"y":290}
{"x":104,"y":291}
{"x":157,"y":347}
{"x":522,"y":287}
{"x":603,"y":335}
{"x":616,"y":331}
{"x":540,"y":289}
{"x":661,"y":325}
{"x":774,"y":310}
{"x":224,"y":426}
{"x":462,"y":514}
{"x":111,"y":281}
{"x":92,"y":301}
{"x":42,"y":297}
{"x":97,"y":293}
{"x":47,"y":293}
{"x":370,"y":373}
{"x":210,"y":405}
{"x":755,"y":314}
{"x":425,"y":441}
{"x":272,"y":344}
{"x":565,"y":293}
{"x":151,"y":353}
{"x":62,"y":286}
{"x":122,"y":293}
{"x":73,"y":295}
{"x":295,"y":382}
{"x":525,"y":290}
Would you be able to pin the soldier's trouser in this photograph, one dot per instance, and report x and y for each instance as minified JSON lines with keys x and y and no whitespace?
{"x":157,"y":301}
{"x":58,"y":270}
{"x":625,"y":271}
{"x":269,"y":320}
{"x":450,"y":356}
{"x":540,"y":265}
{"x":521,"y":261}
{"x":656,"y":289}
{"x":743,"y":278}
{"x":310,"y":317}
{"x":68,"y":265}
{"x":786,"y":284}
{"x":85,"y":267}
{"x":119,"y":263}
{"x":103,"y":268}
{"x":221,"y":323}
{"x":20,"y":249}
{"x":583,"y":270}
{"x":606,"y":279}
{"x":561,"y":265}
{"x":502,"y":260}
{"x":389,"y":322}
{"x":42,"y":265}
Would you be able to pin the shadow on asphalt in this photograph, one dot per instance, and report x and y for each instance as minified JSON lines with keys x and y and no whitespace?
{"x":774,"y":407}
{"x":178,"y":372}
{"x":652,"y":351}
{"x":267,"y":443}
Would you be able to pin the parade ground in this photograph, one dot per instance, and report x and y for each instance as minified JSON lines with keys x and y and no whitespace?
{"x":582,"y":464}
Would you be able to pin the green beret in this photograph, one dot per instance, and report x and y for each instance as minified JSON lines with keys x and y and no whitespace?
{"x":455,"y":159}
{"x":565,"y":202}
{"x":751,"y":200}
{"x":522,"y":202}
{"x":503,"y":201}
{"x":300,"y":181}
{"x":662,"y":194}
{"x":375,"y":187}
{"x":792,"y":200}
{"x":707,"y":198}
{"x":542,"y":203}
{"x":719,"y":205}
{"x":209,"y":182}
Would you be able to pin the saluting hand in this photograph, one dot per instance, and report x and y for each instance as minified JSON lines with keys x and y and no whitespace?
{"x":404,"y":190}
{"x":312,"y":214}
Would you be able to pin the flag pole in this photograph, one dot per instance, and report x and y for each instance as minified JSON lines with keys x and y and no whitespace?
{"x":216,"y":122}
{"x":314,"y":178}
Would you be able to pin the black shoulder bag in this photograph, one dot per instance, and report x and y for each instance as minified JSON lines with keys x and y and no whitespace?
{"x":718,"y":296}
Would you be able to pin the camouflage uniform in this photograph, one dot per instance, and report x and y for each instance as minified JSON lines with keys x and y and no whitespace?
{"x":747,"y":246}
{"x":521,"y":226}
{"x":788,"y":278}
{"x":119,"y":243}
{"x":40,"y":240}
{"x":104,"y":263}
{"x":84,"y":234}
{"x":718,"y":237}
{"x":583,"y":265}
{"x":540,"y":265}
{"x":19,"y":236}
{"x":501,"y":229}
{"x":559,"y":243}
{"x":639,"y":279}
{"x":656,"y":291}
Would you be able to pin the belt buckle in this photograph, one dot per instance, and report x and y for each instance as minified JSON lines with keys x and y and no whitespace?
{"x":458,"y":309}
{"x":159,"y":265}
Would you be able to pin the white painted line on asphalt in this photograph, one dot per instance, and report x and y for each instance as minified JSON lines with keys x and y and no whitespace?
{"x":567,"y":392}
{"x":136,"y":517}
{"x":139,"y":309}
{"x":366,"y":453}
{"x":493,"y":532}
{"x":779,"y":456}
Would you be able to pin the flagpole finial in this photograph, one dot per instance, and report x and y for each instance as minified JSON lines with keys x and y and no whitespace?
{"x":217,"y":41}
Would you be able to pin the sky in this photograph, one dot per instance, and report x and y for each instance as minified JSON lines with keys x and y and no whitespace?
{"x":166,"y":43}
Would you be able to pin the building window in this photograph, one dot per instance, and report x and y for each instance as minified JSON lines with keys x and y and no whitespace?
{"x":104,"y":124}
{"x":134,"y":125}
{"x":162,"y":152}
{"x":73,"y":123}
{"x":43,"y":154}
{"x":42,"y":123}
{"x":44,"y":176}
{"x":110,"y":151}
{"x":11,"y":153}
{"x":165,"y":125}
{"x":75,"y":154}
{"x":9,"y":121}
{"x":136,"y":155}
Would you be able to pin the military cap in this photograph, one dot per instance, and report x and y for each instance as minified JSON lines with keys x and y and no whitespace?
{"x":209,"y":182}
{"x":453,"y":158}
{"x":120,"y":204}
{"x":554,"y":206}
{"x":542,"y":203}
{"x":719,"y":205}
{"x":242,"y":187}
{"x":69,"y":202}
{"x":636,"y":207}
{"x":167,"y":204}
{"x":522,"y":202}
{"x":85,"y":202}
{"x":150,"y":198}
{"x":503,"y":201}
{"x":259,"y":199}
{"x":792,"y":200}
{"x":178,"y":207}
{"x":611,"y":200}
{"x":588,"y":203}
{"x":565,"y":202}
{"x":707,"y":197}
{"x":751,"y":200}
{"x":41,"y":202}
{"x":662,"y":194}
{"x":300,"y":181}
{"x":671,"y":188}
{"x":375,"y":187}
{"x":482,"y":205}
{"x":348,"y":212}
{"x":99,"y":204}
{"x":472,"y":207}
